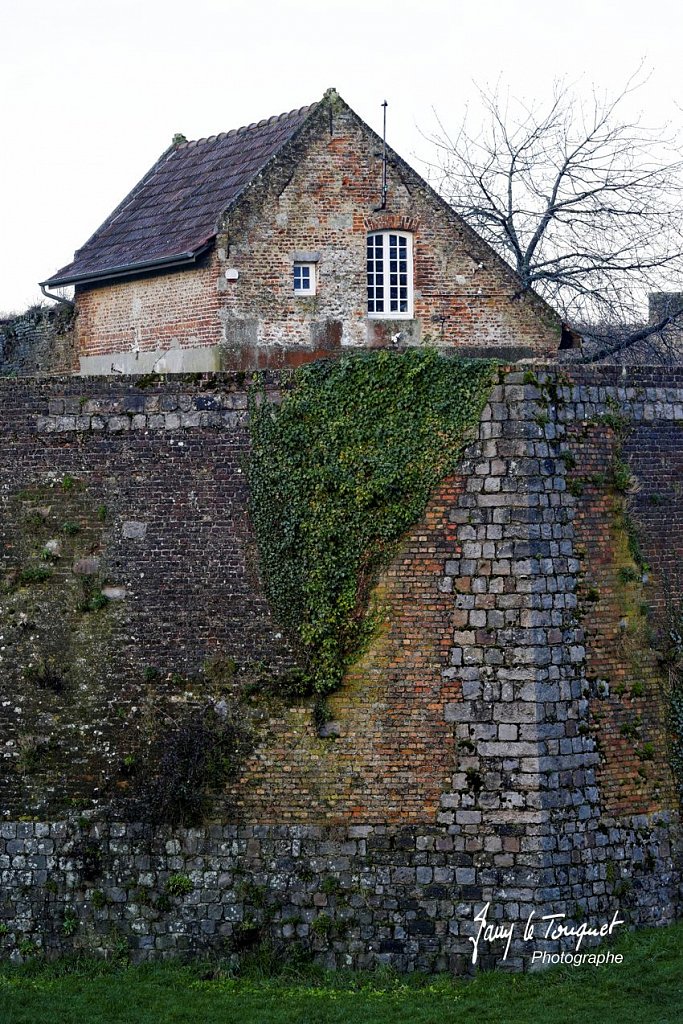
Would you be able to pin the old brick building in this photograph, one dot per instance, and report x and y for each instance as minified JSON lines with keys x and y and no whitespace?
{"x":278,"y":243}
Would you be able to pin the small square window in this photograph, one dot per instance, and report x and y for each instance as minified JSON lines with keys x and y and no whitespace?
{"x":304,"y":278}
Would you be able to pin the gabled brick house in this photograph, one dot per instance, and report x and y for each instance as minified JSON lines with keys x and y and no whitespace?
{"x":277,"y":243}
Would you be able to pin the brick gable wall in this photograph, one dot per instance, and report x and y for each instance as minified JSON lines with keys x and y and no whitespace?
{"x":321,"y":196}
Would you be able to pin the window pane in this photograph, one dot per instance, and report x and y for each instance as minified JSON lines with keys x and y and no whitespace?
{"x":372,"y":252}
{"x":303,"y":278}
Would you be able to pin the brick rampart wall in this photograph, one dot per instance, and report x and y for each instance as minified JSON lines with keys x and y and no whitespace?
{"x":490,"y":706}
{"x":41,"y":340}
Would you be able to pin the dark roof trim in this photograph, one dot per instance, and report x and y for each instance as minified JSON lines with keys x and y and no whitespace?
{"x":182,"y":259}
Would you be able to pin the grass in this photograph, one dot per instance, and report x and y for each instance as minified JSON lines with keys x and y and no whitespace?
{"x":646,"y":989}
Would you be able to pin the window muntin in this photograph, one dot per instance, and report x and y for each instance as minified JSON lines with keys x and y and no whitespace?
{"x":304,"y":278}
{"x":390,"y":274}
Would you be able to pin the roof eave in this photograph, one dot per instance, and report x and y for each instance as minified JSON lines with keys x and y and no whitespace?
{"x":183,"y":259}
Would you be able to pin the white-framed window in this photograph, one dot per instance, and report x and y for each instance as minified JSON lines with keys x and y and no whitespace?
{"x":390,"y":274}
{"x":304,"y":278}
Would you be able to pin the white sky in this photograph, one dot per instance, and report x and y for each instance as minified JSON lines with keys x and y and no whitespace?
{"x":93,"y":90}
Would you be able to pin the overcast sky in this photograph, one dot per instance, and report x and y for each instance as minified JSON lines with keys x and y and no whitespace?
{"x":93,"y":90}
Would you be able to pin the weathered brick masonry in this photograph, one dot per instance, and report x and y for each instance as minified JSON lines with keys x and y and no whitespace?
{"x":158,"y":513}
{"x":41,"y":340}
{"x":168,"y":314}
{"x":476,"y":753}
{"x":322,"y":196}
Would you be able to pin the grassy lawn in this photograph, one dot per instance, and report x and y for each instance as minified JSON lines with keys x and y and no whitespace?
{"x":646,"y":989}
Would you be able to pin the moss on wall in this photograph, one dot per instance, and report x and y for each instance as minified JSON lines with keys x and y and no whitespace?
{"x":57,"y":627}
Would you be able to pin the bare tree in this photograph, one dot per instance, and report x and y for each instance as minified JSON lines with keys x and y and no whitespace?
{"x":585,"y":204}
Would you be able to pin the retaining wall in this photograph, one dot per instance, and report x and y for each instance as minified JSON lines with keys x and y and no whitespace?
{"x":503,"y":740}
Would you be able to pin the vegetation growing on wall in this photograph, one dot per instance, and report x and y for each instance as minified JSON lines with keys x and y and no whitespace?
{"x":188,"y":758}
{"x":674,"y":666}
{"x":640,"y":684}
{"x":41,"y":338}
{"x":82,"y":728}
{"x":339,"y":471}
{"x":57,"y":632}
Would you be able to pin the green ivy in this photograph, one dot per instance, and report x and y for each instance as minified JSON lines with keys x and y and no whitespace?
{"x":339,"y":470}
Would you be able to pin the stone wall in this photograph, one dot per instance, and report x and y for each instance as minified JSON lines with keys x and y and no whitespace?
{"x":41,"y":340}
{"x":356,"y":896}
{"x":502,"y":740}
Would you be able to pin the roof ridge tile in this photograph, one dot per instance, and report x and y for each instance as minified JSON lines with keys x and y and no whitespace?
{"x":296,"y":112}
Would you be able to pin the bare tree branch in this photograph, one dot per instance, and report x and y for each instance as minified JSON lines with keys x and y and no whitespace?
{"x":584,"y":203}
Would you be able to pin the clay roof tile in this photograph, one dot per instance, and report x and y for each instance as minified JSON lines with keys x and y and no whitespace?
{"x":172,"y":212}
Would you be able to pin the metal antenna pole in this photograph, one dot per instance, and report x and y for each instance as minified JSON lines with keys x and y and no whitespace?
{"x":384,"y":159}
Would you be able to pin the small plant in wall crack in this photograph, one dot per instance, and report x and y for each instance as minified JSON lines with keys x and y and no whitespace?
{"x":47,"y":673}
{"x":189,"y":752}
{"x":93,"y":599}
{"x":31,"y":575}
{"x":179,"y":885}
{"x":32,"y":750}
{"x":70,"y":923}
{"x":322,"y":924}
{"x":27,"y":947}
{"x":251,"y":893}
{"x":98,"y":899}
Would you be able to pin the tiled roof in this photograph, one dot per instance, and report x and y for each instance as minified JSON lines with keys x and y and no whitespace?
{"x":170,"y":216}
